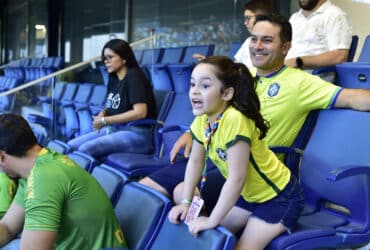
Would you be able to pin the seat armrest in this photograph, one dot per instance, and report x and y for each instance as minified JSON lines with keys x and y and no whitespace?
{"x":347,"y":171}
{"x":144,"y":122}
{"x":171,"y":128}
{"x":326,"y":69}
{"x":286,"y":150}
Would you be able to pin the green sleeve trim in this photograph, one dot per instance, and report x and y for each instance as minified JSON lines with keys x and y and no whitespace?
{"x":334,"y":98}
{"x":263,"y":176}
{"x":238,"y":138}
{"x":195,"y":138}
{"x":39,"y":227}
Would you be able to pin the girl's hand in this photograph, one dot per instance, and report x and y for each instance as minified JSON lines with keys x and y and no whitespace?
{"x":178,"y":212}
{"x":200,"y":224}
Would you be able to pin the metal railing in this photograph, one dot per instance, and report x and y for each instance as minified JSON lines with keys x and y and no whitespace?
{"x":68,"y":69}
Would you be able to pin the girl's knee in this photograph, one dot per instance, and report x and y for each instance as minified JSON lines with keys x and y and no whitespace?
{"x":154,"y":185}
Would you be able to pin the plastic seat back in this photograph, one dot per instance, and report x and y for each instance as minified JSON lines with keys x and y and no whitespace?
{"x":85,"y":161}
{"x":234,"y":47}
{"x":335,"y":176}
{"x":141,"y":211}
{"x":172,"y":55}
{"x":59,"y":146}
{"x":212,"y":239}
{"x":110,"y":180}
{"x":206,"y":50}
{"x":365,"y":51}
{"x":151,"y":56}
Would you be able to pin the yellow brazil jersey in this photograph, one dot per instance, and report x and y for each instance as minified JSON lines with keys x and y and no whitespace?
{"x":287,"y":97}
{"x":266,"y":175}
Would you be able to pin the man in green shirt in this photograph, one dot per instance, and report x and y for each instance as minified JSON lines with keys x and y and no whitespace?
{"x":58,"y":204}
{"x":8,"y":188}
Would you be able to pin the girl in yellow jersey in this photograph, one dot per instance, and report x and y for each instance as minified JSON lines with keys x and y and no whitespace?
{"x":260,"y":196}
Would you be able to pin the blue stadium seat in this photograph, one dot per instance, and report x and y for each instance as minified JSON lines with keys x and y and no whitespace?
{"x":213,"y":239}
{"x":180,"y":73}
{"x":7,"y":101}
{"x":55,"y":96}
{"x":81,"y":98}
{"x":351,"y":55}
{"x":354,"y":75}
{"x":178,"y":119}
{"x":86,"y":111}
{"x":56,"y":118}
{"x":335,"y":175}
{"x":293,"y":154}
{"x":159,"y":73}
{"x":110,"y":179}
{"x":85,"y":161}
{"x":151,"y":56}
{"x":141,"y":211}
{"x":206,"y":50}
{"x":234,"y":47}
{"x":59,"y":146}
{"x":365,"y":51}
{"x":138,"y":55}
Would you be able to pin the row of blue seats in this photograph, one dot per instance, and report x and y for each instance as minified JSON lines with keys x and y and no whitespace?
{"x":172,"y":54}
{"x":356,"y":74}
{"x":150,"y":229}
{"x":69,"y":109}
{"x":334,"y":173}
{"x":29,"y":69}
{"x":170,"y":68}
{"x":7,"y":101}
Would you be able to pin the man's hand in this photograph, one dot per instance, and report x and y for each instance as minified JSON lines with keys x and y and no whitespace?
{"x":184,"y":141}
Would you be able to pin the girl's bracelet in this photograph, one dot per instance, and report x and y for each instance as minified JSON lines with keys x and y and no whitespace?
{"x":185,"y":201}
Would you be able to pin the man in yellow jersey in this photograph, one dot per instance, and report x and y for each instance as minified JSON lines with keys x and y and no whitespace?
{"x":58,"y":204}
{"x":286,"y":94}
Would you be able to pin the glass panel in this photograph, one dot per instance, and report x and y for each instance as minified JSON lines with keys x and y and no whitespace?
{"x":17,"y":38}
{"x":52,"y":108}
{"x":27,"y":32}
{"x":184,"y":22}
{"x":38,"y":28}
{"x":89,"y":24}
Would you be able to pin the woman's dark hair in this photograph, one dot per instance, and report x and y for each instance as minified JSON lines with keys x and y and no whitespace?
{"x":16,"y":136}
{"x":245,"y":99}
{"x":123,"y":49}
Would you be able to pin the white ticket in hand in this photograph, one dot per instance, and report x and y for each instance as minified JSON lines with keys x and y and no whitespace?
{"x":194,"y":209}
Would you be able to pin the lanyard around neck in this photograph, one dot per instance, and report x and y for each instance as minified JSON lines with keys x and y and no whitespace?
{"x":209,"y":131}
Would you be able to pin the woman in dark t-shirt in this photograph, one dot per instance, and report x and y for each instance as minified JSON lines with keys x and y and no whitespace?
{"x":130,"y":97}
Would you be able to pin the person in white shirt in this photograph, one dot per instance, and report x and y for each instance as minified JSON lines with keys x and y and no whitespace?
{"x":251,"y":10}
{"x":322,"y":35}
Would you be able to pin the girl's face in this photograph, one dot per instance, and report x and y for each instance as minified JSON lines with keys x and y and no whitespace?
{"x":205,"y":92}
{"x":113,"y":61}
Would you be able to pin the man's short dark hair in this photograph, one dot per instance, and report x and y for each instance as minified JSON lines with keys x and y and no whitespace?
{"x":259,"y":6}
{"x":16,"y":135}
{"x":282,"y":22}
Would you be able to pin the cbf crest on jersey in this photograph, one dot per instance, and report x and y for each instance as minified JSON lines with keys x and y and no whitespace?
{"x":221,"y":154}
{"x":273,"y":89}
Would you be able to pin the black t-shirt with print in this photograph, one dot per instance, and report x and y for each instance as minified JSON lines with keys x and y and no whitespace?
{"x":134,"y":88}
